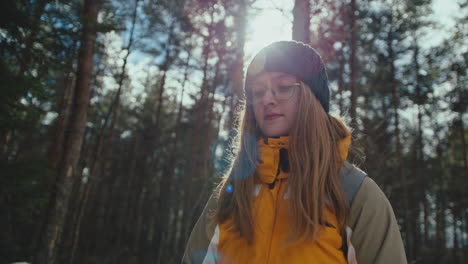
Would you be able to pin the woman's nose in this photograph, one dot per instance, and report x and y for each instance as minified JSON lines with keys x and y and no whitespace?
{"x":269,"y":97}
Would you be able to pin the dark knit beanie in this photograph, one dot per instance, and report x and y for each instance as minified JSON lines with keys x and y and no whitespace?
{"x":295,"y":58}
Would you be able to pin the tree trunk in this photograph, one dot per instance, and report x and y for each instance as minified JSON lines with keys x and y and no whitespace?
{"x":56,"y":148}
{"x":353,"y":63}
{"x":168,"y":57}
{"x":158,"y":224}
{"x":439,"y":244}
{"x":178,"y":222}
{"x":99,"y":155}
{"x":165,"y":200}
{"x":456,"y":247}
{"x":341,"y":88}
{"x":419,"y":146}
{"x":398,"y":151}
{"x":461,"y":111}
{"x":66,"y":98}
{"x":301,"y":21}
{"x":240,"y":19}
{"x":193,"y":171}
{"x":60,"y":198}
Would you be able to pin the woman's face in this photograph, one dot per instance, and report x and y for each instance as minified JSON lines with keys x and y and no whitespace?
{"x":275,"y":97}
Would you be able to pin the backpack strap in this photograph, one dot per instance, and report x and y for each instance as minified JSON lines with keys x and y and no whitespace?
{"x":351,"y":179}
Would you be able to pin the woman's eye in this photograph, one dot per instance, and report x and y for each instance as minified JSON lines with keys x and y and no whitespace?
{"x":285,"y":88}
{"x":258,"y":94}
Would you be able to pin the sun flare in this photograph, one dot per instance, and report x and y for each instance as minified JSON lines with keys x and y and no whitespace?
{"x":268,"y":25}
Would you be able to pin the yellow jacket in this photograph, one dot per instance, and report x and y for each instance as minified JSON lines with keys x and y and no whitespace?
{"x":212,"y":243}
{"x":271,"y":222}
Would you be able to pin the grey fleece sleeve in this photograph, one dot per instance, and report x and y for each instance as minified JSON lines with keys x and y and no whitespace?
{"x":376,"y":236}
{"x":201,"y":235}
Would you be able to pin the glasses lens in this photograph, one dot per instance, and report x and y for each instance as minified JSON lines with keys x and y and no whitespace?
{"x":281,"y":93}
{"x":285,"y":92}
{"x":256,"y":95}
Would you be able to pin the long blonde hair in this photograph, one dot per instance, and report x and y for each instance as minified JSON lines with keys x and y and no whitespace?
{"x":315,"y":161}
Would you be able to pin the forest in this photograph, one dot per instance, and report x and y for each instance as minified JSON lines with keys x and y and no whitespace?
{"x":116,"y":118}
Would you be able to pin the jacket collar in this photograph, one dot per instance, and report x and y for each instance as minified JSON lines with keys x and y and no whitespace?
{"x":274,"y":163}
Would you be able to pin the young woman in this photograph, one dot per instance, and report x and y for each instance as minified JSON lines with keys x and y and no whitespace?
{"x":290,"y":196}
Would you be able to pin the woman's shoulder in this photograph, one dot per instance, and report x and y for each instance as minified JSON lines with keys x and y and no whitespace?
{"x":351,"y":179}
{"x":370,"y":196}
{"x":360,"y":190}
{"x":375,"y":231}
{"x":364,"y":197}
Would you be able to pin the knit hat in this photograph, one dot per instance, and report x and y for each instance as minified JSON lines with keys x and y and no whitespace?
{"x":295,"y":58}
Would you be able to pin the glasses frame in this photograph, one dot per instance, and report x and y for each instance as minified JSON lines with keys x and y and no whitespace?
{"x":250,"y":101}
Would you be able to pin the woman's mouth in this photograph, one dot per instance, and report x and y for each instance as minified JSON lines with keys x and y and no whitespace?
{"x":272,"y":116}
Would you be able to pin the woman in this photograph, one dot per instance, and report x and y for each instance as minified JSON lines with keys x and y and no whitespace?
{"x":290,"y":196}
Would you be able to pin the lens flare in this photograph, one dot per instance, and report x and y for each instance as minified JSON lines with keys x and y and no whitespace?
{"x":229,"y":188}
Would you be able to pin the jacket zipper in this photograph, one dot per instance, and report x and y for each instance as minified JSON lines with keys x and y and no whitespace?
{"x":275,"y":198}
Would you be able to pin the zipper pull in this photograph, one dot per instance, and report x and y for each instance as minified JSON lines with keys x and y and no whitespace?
{"x":272,"y":185}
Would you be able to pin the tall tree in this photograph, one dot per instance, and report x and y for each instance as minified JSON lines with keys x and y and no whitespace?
{"x":102,"y":139}
{"x":60,"y":198}
{"x":240,"y":18}
{"x":353,"y":64}
{"x":301,"y":21}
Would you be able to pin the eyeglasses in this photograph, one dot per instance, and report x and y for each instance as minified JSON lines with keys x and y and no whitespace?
{"x":280,"y":93}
